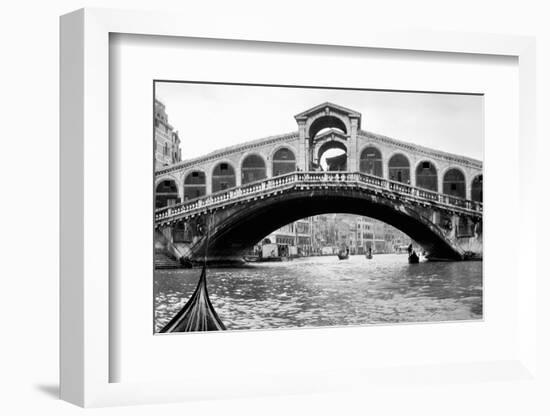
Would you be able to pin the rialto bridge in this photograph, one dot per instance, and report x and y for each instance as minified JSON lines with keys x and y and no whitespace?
{"x":226,"y":201}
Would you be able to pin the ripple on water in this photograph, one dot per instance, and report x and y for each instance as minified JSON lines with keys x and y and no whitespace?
{"x":324,"y":291}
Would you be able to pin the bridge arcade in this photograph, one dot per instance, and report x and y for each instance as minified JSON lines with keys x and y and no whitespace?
{"x":324,"y":127}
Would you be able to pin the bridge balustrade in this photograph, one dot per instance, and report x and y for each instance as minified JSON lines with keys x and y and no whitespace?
{"x":326,"y":178}
{"x":422,"y":193}
{"x":373,"y":180}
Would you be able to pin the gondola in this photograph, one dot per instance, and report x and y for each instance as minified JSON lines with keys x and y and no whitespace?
{"x":368,"y":254}
{"x":343,"y":255}
{"x":198,"y":314}
{"x":413,"y":258}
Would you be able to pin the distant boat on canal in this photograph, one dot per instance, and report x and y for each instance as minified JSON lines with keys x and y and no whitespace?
{"x":413,"y":258}
{"x":197,"y":314}
{"x":343,"y":254}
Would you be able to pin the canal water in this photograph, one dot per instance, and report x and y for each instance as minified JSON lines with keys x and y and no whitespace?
{"x":325,"y":291}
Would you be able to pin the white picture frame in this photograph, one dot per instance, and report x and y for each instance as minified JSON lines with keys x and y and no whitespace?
{"x":85,"y":211}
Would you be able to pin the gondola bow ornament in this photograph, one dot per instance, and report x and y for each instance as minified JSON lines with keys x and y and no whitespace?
{"x":198,"y":314}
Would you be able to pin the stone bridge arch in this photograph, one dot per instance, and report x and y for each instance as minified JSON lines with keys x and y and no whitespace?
{"x":232,"y":230}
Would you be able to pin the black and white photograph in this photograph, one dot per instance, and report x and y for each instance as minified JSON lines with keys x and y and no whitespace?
{"x":279,"y":207}
{"x":276,"y":208}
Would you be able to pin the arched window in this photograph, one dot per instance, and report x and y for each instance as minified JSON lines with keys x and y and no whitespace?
{"x":283,"y":162}
{"x":477,"y":188}
{"x":223,"y":177}
{"x":426,"y":176}
{"x":252,"y":169}
{"x":194,"y":185}
{"x":370,"y":161}
{"x":399,"y":169}
{"x":166,"y":194}
{"x":454,"y":183}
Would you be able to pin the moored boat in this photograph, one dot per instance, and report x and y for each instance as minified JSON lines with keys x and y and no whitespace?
{"x":252,"y":259}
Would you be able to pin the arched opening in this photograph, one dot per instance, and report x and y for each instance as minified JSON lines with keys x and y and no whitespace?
{"x":194,"y":185}
{"x":370,"y":161}
{"x":250,"y":223}
{"x":399,"y":169}
{"x":477,"y":188}
{"x":326,"y":122}
{"x":166,"y":194}
{"x":252,"y":169}
{"x":333,"y":156}
{"x":426,"y":176}
{"x":284,"y":161}
{"x":223,"y":177}
{"x":454,"y":183}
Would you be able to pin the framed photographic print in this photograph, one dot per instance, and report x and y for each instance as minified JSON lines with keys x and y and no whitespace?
{"x":290,"y":212}
{"x":327,"y":225}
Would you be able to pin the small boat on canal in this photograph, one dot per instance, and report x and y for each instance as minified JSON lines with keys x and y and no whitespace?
{"x":413,"y":258}
{"x":197,"y":314}
{"x":343,"y":254}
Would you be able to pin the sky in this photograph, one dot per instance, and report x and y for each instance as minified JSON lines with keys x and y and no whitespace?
{"x":209,"y":117}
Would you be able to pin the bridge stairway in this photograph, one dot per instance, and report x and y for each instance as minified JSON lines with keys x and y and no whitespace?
{"x":164,"y":260}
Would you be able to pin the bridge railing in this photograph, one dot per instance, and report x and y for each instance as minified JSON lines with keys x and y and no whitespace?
{"x":306,"y":178}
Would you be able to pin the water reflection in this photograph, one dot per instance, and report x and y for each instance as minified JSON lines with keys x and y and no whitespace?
{"x":323,"y":291}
